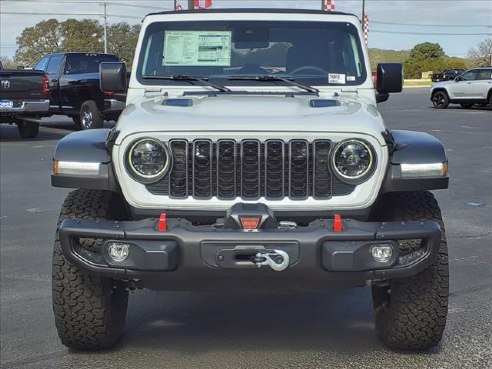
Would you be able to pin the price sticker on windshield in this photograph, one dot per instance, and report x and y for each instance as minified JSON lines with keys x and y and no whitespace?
{"x":197,"y":48}
{"x":336,"y":78}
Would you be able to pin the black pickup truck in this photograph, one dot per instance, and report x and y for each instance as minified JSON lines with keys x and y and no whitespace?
{"x":446,"y":75}
{"x":74,"y":88}
{"x":23,"y":97}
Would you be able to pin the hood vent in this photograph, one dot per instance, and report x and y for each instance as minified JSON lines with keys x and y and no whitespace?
{"x":323,"y":103}
{"x":183,"y":103}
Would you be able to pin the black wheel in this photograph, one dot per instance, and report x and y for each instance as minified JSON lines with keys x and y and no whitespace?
{"x":90,"y":117}
{"x":90,"y":311}
{"x":467,"y":105}
{"x":411,"y":313}
{"x":28,"y":129}
{"x":440,"y":100}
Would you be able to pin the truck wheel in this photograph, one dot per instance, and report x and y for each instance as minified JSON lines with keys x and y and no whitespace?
{"x":467,"y":105}
{"x":28,"y":129}
{"x":440,"y":100}
{"x":89,"y":311}
{"x":90,"y":117}
{"x":411,"y":313}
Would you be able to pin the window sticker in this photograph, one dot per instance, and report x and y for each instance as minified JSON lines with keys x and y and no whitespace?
{"x":336,"y":78}
{"x":197,"y":48}
{"x":350,"y":78}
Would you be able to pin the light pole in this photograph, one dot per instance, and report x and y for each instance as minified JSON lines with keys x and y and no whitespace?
{"x":105,"y":16}
{"x":363,"y":10}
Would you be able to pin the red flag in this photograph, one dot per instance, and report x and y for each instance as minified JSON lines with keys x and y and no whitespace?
{"x":202,"y":4}
{"x":329,"y":5}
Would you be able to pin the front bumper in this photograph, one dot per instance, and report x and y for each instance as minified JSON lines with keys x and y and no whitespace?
{"x":185,"y":257}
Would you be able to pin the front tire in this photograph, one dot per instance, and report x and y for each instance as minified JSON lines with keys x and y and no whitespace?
{"x":28,"y":129}
{"x":90,"y":311}
{"x":440,"y":100}
{"x":411,"y":313}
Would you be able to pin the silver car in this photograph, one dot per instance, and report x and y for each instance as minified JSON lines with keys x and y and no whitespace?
{"x":470,"y":88}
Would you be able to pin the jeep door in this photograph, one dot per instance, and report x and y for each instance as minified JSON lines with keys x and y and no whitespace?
{"x":462,"y":87}
{"x":483,"y":84}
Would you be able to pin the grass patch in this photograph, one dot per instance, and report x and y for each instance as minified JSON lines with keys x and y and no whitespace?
{"x":417,"y":83}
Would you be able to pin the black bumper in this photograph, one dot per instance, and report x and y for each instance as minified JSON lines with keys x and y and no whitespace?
{"x":187,"y":257}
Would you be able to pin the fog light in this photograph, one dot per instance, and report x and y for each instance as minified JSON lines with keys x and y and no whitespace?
{"x":382,"y":253}
{"x":118,"y":251}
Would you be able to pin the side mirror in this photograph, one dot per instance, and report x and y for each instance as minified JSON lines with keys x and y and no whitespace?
{"x":390,"y":78}
{"x":457,"y":79}
{"x":113,"y":77}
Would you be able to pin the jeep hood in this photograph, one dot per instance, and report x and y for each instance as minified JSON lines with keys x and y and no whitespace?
{"x":251,"y":113}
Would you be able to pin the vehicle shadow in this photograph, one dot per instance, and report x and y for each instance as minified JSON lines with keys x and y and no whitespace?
{"x":9,"y":133}
{"x":339,"y":321}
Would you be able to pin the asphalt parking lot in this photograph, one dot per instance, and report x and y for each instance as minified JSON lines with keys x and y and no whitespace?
{"x":182,"y":330}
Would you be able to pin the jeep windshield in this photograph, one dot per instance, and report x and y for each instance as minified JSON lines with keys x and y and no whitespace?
{"x":234,"y":52}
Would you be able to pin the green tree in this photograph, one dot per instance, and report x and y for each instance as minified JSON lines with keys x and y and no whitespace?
{"x":427,"y":50}
{"x":424,"y":57}
{"x":84,"y":35}
{"x":34,"y":42}
{"x":51,"y":36}
{"x":122,"y":40}
{"x":481,"y":55}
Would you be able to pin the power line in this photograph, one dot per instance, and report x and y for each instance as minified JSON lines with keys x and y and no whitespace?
{"x":432,"y":25}
{"x":433,"y":33}
{"x":75,"y":14}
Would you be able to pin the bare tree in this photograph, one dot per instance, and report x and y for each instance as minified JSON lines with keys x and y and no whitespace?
{"x":482,"y":54}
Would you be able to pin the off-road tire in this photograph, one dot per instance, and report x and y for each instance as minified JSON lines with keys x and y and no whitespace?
{"x":90,"y":117}
{"x":90,"y":311}
{"x":440,"y":100}
{"x":411,"y":313}
{"x":28,"y":129}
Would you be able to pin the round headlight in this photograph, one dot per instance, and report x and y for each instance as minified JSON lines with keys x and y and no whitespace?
{"x":353,"y":160}
{"x":148,"y":160}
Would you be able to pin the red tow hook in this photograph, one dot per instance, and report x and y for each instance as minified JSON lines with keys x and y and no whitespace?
{"x":337,"y":223}
{"x":162,"y":224}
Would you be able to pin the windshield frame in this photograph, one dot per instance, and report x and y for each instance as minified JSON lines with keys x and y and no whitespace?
{"x":161,"y":26}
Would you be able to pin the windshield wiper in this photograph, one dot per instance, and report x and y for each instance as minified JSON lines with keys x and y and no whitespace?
{"x":273,"y":78}
{"x":183,"y":77}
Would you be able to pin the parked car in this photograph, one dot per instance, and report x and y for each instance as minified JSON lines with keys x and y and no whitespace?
{"x":24,"y":96}
{"x":250,"y":171}
{"x":470,"y":88}
{"x":446,"y":75}
{"x":74,"y":88}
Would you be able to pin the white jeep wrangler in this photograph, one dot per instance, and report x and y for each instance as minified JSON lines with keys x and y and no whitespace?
{"x":251,"y":156}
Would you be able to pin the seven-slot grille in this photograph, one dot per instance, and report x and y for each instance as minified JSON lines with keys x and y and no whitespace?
{"x":250,"y":169}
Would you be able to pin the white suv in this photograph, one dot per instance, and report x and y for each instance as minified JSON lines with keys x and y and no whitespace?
{"x":472,"y":87}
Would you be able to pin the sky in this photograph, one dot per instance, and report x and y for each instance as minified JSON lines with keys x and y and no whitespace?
{"x":457,"y":25}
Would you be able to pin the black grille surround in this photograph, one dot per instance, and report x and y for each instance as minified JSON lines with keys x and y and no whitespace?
{"x":249,"y":170}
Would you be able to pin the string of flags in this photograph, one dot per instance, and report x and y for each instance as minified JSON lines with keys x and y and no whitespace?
{"x":329,"y":5}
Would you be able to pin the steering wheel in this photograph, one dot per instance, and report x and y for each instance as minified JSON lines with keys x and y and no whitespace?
{"x":308,"y":67}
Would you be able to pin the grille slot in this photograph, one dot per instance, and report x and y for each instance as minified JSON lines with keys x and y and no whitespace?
{"x":250,"y":169}
{"x":321,"y":170}
{"x":226,"y":169}
{"x":202,"y":169}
